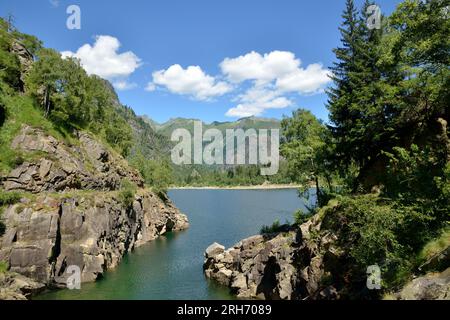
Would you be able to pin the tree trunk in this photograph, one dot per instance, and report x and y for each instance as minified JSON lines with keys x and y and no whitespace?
{"x":47,"y":101}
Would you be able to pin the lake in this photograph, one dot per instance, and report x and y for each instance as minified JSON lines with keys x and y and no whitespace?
{"x":171,"y":267}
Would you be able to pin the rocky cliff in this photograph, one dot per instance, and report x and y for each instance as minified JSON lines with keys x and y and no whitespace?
{"x":89,"y":165}
{"x":73,"y":212}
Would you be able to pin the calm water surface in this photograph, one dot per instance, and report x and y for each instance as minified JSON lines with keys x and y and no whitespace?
{"x":171,"y":266}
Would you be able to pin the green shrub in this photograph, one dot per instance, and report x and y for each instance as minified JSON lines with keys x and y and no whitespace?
{"x":3,"y":267}
{"x":276,"y":227}
{"x":301,"y":217}
{"x":432,"y":251}
{"x":383,"y":232}
{"x":156,"y":173}
{"x":7,"y":198}
{"x":127,"y":192}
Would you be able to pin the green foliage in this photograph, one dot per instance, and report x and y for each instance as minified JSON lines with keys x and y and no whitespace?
{"x":435,"y":247}
{"x":419,"y":179}
{"x":301,"y":217}
{"x":305,"y":146}
{"x":376,"y":231}
{"x":9,"y":63}
{"x":387,"y":82}
{"x":72,"y":99}
{"x":389,"y":113}
{"x":19,"y":111}
{"x":274,"y":228}
{"x":156,"y":173}
{"x":127,"y":192}
{"x":219,"y":176}
{"x":3,"y":267}
{"x":7,"y":198}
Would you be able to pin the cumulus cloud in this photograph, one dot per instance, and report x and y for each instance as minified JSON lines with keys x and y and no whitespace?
{"x":273,"y":76}
{"x":124,"y":85}
{"x":268,"y":81}
{"x":104,"y":60}
{"x":262,"y":68}
{"x":256,"y":100}
{"x":305,"y":81}
{"x":191,"y":81}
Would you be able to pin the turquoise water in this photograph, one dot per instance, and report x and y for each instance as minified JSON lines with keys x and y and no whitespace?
{"x":171,"y":266}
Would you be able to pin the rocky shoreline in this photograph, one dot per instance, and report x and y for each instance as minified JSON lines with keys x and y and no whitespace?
{"x":306,"y":263}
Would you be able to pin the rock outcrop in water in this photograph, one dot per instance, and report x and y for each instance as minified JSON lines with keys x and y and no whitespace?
{"x":256,"y":267}
{"x":307,"y":263}
{"x":73,"y":213}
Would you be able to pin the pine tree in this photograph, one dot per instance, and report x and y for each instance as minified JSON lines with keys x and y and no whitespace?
{"x":355,"y":109}
{"x":340,"y":96}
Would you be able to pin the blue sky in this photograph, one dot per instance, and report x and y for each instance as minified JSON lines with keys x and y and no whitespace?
{"x":213,"y":60}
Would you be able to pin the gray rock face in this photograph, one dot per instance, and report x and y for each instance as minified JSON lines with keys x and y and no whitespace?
{"x":305,"y":263}
{"x":90,"y":231}
{"x":14,"y":286}
{"x":63,"y":167}
{"x":433,"y":286}
{"x":255,"y":267}
{"x":290,"y":265}
{"x":25,"y":58}
{"x":87,"y":224}
{"x":214,"y":250}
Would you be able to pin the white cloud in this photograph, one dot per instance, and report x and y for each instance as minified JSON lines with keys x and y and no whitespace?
{"x":256,"y":100}
{"x":191,"y":81}
{"x":305,"y":81}
{"x":124,"y":85}
{"x":273,"y":76}
{"x":268,"y":81}
{"x":262,"y":68}
{"x":104,"y":60}
{"x":54,"y":3}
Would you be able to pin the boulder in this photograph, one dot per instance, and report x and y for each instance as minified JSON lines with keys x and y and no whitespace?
{"x":432,"y":286}
{"x":213,"y":250}
{"x":14,"y":286}
{"x":254,"y":268}
{"x":223,"y":276}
